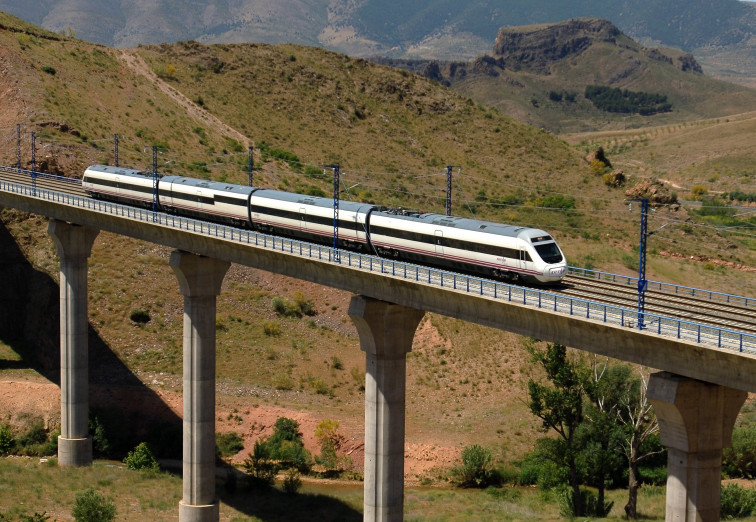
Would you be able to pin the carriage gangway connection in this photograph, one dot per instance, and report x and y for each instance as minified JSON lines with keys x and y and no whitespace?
{"x":693,"y":358}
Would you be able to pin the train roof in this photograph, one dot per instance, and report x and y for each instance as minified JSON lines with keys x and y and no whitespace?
{"x":315,"y":201}
{"x":120,"y":171}
{"x":475,"y":225}
{"x":217,"y":186}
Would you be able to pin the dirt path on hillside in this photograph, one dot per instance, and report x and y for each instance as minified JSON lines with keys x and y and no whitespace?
{"x":137,"y":64}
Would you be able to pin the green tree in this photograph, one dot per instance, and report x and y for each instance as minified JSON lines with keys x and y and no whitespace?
{"x":601,"y":434}
{"x":92,"y":506}
{"x":327,"y":434}
{"x":141,"y":459}
{"x":284,"y":449}
{"x":559,"y":405}
{"x":639,"y":427}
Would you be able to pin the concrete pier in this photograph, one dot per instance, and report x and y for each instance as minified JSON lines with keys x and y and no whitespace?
{"x":200,"y":281}
{"x":695,"y":423}
{"x":74,"y":244}
{"x":386,"y":331}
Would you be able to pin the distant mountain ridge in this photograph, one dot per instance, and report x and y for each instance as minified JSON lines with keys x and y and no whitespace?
{"x":387,"y":27}
{"x":540,"y":73}
{"x":720,"y":33}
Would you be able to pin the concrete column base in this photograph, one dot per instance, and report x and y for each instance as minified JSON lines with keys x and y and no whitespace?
{"x":74,"y":452}
{"x":695,"y":422}
{"x":206,"y":513}
{"x":386,"y":332}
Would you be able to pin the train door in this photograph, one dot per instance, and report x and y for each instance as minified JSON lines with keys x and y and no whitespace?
{"x":118,"y":185}
{"x":357,"y":227}
{"x":199,"y":200}
{"x":302,"y":218}
{"x":524,"y":260}
{"x":439,"y":242}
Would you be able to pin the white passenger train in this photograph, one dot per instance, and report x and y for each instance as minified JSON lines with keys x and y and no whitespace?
{"x":465,"y":245}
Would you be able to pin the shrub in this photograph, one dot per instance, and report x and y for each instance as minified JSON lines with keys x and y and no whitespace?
{"x":698,"y":192}
{"x":49,"y":70}
{"x":336,"y":363}
{"x":320,"y":386}
{"x":292,"y":482}
{"x":36,"y":434}
{"x":279,"y":305}
{"x":589,"y":501}
{"x":91,"y":506}
{"x":538,"y":469}
{"x":736,"y":502}
{"x":228,"y":444}
{"x":283,"y":381}
{"x":140,"y":316}
{"x":739,"y":460}
{"x":260,"y":469}
{"x":475,"y":471}
{"x":297,"y":307}
{"x":306,"y":306}
{"x":142,"y":459}
{"x":272,"y":328}
{"x":7,"y":441}
{"x":35,"y":440}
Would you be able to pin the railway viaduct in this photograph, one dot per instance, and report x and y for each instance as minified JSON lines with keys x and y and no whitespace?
{"x":696,"y":394}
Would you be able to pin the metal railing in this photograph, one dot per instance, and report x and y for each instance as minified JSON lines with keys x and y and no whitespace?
{"x":669,"y":288}
{"x":37,"y":174}
{"x":542,"y":299}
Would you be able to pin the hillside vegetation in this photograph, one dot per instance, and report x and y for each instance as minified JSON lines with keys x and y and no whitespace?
{"x":393,"y":133}
{"x":540,"y":75}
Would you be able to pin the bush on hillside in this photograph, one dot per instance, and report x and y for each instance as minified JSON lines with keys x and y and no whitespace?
{"x":92,"y":506}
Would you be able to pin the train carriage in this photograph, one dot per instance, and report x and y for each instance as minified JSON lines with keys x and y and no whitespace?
{"x":224,"y":202}
{"x":310,"y":218}
{"x":119,"y":184}
{"x":468,"y":245}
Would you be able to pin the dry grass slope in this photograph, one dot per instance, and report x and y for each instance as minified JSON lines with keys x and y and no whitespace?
{"x":393,"y":133}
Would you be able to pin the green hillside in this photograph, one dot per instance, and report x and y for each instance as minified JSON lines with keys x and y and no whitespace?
{"x":393,"y":134}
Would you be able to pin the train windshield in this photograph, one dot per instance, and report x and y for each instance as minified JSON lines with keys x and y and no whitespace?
{"x":549,"y":252}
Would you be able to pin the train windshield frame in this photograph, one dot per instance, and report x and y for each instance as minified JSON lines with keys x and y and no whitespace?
{"x":549,"y":252}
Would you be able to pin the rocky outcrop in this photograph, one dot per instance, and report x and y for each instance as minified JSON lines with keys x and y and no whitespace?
{"x":535,"y":47}
{"x":655,"y":191}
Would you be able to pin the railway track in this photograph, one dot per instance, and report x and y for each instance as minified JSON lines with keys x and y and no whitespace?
{"x":695,"y":309}
{"x":49,"y":182}
{"x":733,"y":315}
